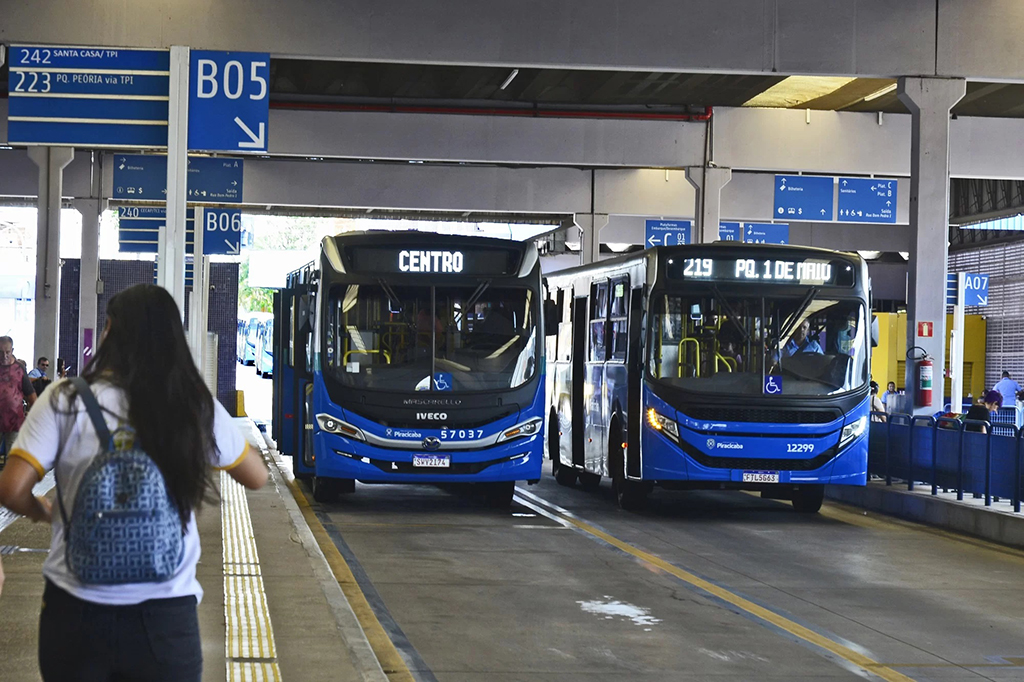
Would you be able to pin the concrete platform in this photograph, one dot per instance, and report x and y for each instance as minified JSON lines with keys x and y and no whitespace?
{"x":998,"y":522}
{"x":286,"y":602}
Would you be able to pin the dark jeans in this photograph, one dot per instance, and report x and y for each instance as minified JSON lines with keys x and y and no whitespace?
{"x":155,"y":641}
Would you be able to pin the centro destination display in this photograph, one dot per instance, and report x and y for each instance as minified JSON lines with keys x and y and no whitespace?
{"x":818,"y":271}
{"x":433,"y":261}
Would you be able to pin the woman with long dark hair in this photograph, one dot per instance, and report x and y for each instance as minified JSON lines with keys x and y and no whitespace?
{"x":152,"y":398}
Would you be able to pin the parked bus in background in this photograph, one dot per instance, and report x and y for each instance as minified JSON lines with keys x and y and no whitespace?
{"x":249,"y":324}
{"x":717,"y":366}
{"x":408,"y":357}
{"x":265,"y":348}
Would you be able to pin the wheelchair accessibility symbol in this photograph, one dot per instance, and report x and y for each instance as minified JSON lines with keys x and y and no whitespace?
{"x":442,"y":381}
{"x":772,"y":384}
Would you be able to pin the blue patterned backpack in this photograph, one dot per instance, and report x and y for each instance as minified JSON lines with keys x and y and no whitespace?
{"x":124,"y":527}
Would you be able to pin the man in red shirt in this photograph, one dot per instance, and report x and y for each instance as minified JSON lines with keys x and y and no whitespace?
{"x":15,"y":390}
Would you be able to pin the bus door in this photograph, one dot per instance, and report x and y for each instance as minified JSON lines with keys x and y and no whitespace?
{"x":279,"y":344}
{"x":579,"y":378}
{"x":634,"y":371}
{"x":303,"y":312}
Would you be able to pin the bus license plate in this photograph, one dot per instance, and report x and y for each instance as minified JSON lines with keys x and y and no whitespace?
{"x":432,"y":461}
{"x":760,"y":476}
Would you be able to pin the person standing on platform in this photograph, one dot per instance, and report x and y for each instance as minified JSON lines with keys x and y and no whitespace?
{"x":1008,"y":388}
{"x":890,"y":392}
{"x":39,"y":372}
{"x":15,"y":390}
{"x":117,"y":610}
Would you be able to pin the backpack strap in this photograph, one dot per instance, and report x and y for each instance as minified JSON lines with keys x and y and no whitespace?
{"x":92,"y":406}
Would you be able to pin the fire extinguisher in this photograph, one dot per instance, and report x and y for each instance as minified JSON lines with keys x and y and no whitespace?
{"x":925,"y":377}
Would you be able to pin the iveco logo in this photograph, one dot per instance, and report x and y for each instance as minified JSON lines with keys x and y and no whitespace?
{"x":431,"y":443}
{"x":711,"y":443}
{"x":436,"y":416}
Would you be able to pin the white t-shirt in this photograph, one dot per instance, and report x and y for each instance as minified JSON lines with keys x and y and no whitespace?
{"x":37,"y":444}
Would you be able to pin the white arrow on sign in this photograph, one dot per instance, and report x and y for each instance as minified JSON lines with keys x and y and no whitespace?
{"x":982,"y":300}
{"x":652,"y":241}
{"x":258,"y":141}
{"x":233,"y":249}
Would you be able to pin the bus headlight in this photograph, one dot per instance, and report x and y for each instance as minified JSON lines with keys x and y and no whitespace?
{"x":853,"y":431}
{"x":527,"y":428}
{"x":339,"y":428}
{"x":663,"y":424}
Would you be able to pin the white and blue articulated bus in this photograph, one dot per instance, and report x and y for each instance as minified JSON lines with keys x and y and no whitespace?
{"x":714,"y":366}
{"x":408,"y":357}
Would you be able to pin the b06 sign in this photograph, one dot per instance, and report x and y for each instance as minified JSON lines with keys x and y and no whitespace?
{"x":223,"y":231}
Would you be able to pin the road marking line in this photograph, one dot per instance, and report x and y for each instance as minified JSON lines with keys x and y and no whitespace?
{"x":801,"y":632}
{"x":383,"y":648}
{"x":250,"y":650}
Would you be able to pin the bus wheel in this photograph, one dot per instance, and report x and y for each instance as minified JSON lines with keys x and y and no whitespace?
{"x":325,"y":489}
{"x":499,"y":495}
{"x":564,"y":475}
{"x":807,"y":499}
{"x":589,"y":481}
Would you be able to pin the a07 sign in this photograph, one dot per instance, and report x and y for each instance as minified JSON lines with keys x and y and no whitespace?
{"x":229,"y":101}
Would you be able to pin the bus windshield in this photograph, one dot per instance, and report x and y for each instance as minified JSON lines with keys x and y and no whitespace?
{"x":731,"y":344}
{"x":430,"y":338}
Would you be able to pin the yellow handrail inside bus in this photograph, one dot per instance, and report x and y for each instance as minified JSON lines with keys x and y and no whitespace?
{"x":387,"y":357}
{"x":730,"y":363}
{"x":696,"y":365}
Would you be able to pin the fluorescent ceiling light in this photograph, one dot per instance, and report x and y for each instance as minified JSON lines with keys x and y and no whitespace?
{"x":797,"y":90}
{"x":511,"y":77}
{"x":878,"y":93}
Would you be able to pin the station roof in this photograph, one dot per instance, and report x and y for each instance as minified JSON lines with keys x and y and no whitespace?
{"x":384,"y":84}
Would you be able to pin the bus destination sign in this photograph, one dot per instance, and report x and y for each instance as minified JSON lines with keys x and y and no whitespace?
{"x":434,"y":261}
{"x":809,"y":271}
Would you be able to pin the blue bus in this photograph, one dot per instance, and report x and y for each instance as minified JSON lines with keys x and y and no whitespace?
{"x":407,"y":357}
{"x":712,"y":366}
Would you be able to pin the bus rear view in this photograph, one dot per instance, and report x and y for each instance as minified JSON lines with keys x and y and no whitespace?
{"x":754,"y":374}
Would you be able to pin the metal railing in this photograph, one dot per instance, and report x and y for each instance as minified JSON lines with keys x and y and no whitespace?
{"x":979,"y":458}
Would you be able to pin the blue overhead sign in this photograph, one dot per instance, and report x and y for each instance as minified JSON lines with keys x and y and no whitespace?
{"x":765,"y":233}
{"x":867,"y":200}
{"x":975,"y":289}
{"x":666,"y":232}
{"x":729,"y":232}
{"x":223,"y":231}
{"x":754,"y":233}
{"x":804,"y":197}
{"x":88,"y":96}
{"x":139,"y":229}
{"x":210,"y":180}
{"x":229,"y":101}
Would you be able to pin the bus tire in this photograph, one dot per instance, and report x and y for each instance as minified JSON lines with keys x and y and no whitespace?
{"x":564,"y":475}
{"x":325,"y":490}
{"x":629,"y":495}
{"x":499,"y":495}
{"x":807,"y":499}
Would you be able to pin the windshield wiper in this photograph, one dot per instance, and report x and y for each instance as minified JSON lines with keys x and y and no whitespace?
{"x":392,"y":296}
{"x":792,"y":319}
{"x":730,"y":311}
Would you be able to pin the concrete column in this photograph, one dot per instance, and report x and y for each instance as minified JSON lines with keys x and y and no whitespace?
{"x":51,"y":162}
{"x":708,"y":209}
{"x":930,"y":101}
{"x":590,"y":226}
{"x":171,"y":250}
{"x":89,"y":286}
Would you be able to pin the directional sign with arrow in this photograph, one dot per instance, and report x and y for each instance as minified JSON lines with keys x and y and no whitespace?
{"x":803,"y":197}
{"x":223,"y":234}
{"x":210,"y":180}
{"x":666,"y":232}
{"x":229,"y":101}
{"x":975,"y":290}
{"x":867,"y":200}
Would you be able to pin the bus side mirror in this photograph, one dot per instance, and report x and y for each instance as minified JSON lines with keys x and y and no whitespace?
{"x":551,"y":317}
{"x":874,"y":331}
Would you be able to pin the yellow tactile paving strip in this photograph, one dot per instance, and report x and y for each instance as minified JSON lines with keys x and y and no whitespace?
{"x":250,"y":651}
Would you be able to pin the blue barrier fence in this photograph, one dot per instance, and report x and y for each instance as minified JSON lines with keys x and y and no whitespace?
{"x":972,"y":457}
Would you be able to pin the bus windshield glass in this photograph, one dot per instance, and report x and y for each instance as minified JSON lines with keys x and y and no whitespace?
{"x":733,"y":344}
{"x":430,"y":338}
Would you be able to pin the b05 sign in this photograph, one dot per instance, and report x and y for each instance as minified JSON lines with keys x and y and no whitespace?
{"x":229,"y":103}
